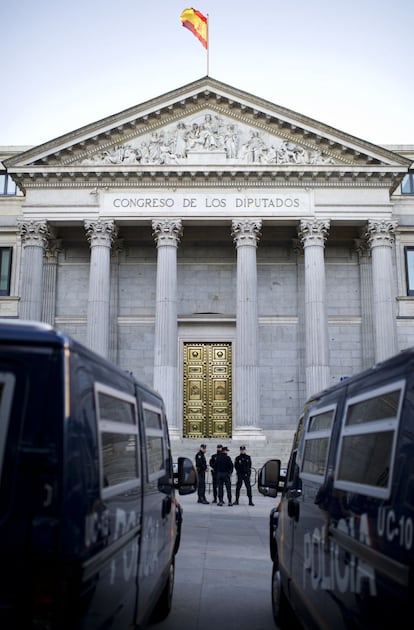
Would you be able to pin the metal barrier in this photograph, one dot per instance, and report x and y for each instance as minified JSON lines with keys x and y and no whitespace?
{"x":209,"y":479}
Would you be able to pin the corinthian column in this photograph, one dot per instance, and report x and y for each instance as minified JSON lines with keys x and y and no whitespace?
{"x":312,"y":235}
{"x":380,"y":236}
{"x":100,"y":235}
{"x":49,"y":279}
{"x":34,"y":235}
{"x":246,"y":234}
{"x":365,"y":278}
{"x":167,"y":234}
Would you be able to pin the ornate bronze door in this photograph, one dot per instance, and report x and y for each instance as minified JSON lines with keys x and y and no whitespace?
{"x":207,"y":390}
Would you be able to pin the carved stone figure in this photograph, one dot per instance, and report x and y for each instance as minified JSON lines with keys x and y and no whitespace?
{"x":203,"y":133}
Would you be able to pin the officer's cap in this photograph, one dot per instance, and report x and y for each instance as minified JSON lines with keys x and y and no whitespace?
{"x":203,"y":446}
{"x":219,"y":446}
{"x":242,"y":448}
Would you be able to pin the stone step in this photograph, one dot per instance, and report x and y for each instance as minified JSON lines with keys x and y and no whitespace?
{"x":278,"y":447}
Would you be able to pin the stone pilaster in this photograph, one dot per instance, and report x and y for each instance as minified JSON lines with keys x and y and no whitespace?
{"x":380,"y":236}
{"x":100,"y":235}
{"x":54,"y":246}
{"x":299,"y":254}
{"x":167,"y":234}
{"x":117,"y":247}
{"x":246,"y":235}
{"x":365,"y":279}
{"x":312,"y":234}
{"x":34,"y":236}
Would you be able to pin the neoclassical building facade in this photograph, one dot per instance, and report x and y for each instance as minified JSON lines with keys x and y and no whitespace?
{"x":233,"y":254}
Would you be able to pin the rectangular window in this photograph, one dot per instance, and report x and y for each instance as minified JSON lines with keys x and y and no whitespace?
{"x":155,"y":456}
{"x":407,"y":185}
{"x":367,"y":441}
{"x":114,"y":409}
{"x":120,"y":447}
{"x":118,"y":458}
{"x":318,"y":433}
{"x":5,"y":269}
{"x":152,"y":418}
{"x":156,"y":442}
{"x":409,"y":269}
{"x":7,"y":185}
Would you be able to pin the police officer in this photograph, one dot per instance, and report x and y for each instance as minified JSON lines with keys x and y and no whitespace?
{"x":243,"y":466}
{"x":212,"y":464}
{"x":201,"y":465}
{"x":224,"y":468}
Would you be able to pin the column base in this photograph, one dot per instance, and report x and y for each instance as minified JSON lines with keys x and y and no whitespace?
{"x":175,"y":433}
{"x":248,"y":434}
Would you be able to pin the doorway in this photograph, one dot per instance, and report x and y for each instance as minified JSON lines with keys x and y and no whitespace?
{"x":207,"y":390}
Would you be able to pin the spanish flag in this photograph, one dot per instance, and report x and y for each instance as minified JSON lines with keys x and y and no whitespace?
{"x":197,"y":23}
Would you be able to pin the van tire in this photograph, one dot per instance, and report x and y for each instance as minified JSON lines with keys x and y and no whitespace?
{"x":163,"y":606}
{"x":280,"y":605}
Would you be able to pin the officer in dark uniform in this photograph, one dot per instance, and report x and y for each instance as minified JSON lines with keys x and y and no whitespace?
{"x":243,"y":466}
{"x":212,"y":464}
{"x":201,"y":465}
{"x":224,"y":468}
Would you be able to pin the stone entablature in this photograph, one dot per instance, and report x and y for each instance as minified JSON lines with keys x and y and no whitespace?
{"x":192,"y":204}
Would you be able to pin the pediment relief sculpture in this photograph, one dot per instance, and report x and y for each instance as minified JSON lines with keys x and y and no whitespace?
{"x":208,"y":138}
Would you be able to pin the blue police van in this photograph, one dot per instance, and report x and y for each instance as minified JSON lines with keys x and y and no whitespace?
{"x":89,"y":518}
{"x":342,"y":535}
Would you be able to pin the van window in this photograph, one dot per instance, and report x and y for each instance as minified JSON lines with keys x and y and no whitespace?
{"x":118,"y":428}
{"x":113,"y":408}
{"x":367,"y":441}
{"x":156,"y":446}
{"x":318,"y":431}
{"x":7,"y":381}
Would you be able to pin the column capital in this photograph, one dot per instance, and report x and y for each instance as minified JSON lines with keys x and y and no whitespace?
{"x":380,"y":232}
{"x":313,"y":232}
{"x":53,"y":247}
{"x":100,"y":232}
{"x":34,"y":233}
{"x":362,"y":248}
{"x":246,"y":231}
{"x":296,"y":247}
{"x":117,"y":247}
{"x":167,"y":231}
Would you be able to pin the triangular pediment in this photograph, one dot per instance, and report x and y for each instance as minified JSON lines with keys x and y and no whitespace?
{"x":207,"y":137}
{"x":205,"y":125}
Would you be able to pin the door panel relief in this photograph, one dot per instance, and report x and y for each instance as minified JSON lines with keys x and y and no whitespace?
{"x":207,"y":390}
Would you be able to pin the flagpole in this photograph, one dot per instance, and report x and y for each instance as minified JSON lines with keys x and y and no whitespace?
{"x":208,"y":43}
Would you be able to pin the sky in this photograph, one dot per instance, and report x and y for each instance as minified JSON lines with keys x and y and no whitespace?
{"x":66,"y":64}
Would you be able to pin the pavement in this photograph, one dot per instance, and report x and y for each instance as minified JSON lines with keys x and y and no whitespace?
{"x":223,"y":567}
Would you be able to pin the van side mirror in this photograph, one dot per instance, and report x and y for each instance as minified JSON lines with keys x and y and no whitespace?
{"x":186,"y":477}
{"x":270,"y":481}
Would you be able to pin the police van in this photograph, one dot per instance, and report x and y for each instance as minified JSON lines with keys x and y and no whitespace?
{"x":342,"y":536}
{"x":89,"y":518}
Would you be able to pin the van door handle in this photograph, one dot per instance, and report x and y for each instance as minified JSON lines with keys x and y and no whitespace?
{"x":293,"y":509}
{"x":166,"y":506}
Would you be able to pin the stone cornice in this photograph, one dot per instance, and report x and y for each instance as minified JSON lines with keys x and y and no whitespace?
{"x":223,"y":176}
